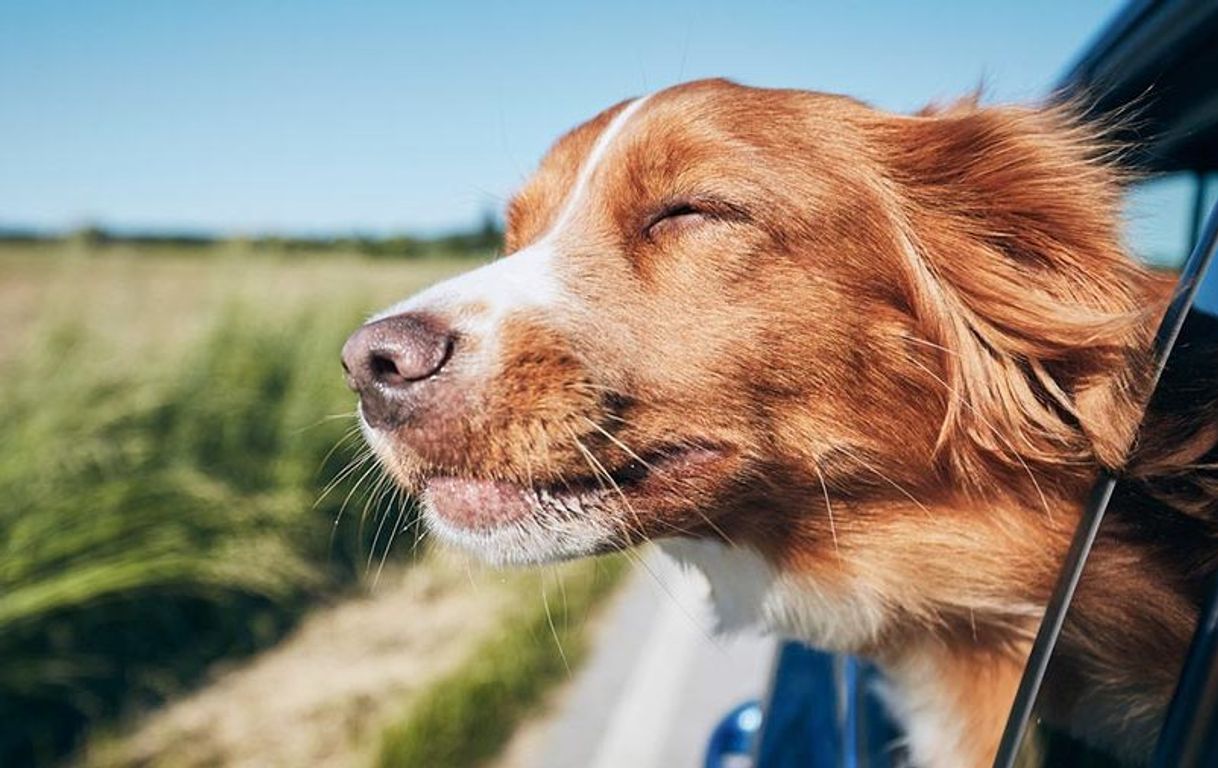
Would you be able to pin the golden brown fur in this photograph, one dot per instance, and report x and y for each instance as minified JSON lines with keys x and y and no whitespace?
{"x":886,"y":353}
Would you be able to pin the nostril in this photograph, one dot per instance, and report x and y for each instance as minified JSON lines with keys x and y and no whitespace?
{"x":385,"y":370}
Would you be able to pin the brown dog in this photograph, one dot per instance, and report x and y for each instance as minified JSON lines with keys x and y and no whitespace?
{"x":859,"y":368}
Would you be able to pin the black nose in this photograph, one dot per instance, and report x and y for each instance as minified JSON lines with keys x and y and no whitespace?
{"x":386,"y":358}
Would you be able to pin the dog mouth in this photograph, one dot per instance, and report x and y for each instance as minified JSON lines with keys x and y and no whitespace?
{"x":479,"y":505}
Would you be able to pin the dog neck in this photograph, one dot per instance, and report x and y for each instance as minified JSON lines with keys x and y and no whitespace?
{"x":951,"y":697}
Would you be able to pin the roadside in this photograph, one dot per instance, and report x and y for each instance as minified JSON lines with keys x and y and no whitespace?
{"x":323,"y":696}
{"x":654,"y":686}
{"x":651,"y":688}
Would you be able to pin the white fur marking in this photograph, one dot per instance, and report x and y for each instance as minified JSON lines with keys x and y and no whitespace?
{"x":749,"y":592}
{"x":525,"y":279}
{"x":590,"y":164}
{"x":918,"y":700}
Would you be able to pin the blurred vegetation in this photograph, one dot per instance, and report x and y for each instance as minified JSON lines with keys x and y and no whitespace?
{"x":480,"y":240}
{"x":159,"y":501}
{"x":151,"y":525}
{"x":171,"y":412}
{"x":466,"y":719}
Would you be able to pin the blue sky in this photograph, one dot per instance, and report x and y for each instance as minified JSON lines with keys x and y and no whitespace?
{"x":252,"y":116}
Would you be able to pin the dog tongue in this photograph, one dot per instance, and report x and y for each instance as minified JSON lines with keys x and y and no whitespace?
{"x":474,"y":504}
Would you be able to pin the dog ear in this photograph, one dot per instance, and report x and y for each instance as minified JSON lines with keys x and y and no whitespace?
{"x":1008,"y":227}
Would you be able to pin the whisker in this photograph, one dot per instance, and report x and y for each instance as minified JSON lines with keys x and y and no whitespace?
{"x":900,"y":488}
{"x":368,"y":468}
{"x":376,"y":485}
{"x":828,"y":506}
{"x":627,"y":450}
{"x":421,"y":534}
{"x":613,"y":439}
{"x":702,"y":515}
{"x":395,"y":497}
{"x":382,"y":505}
{"x":632,"y":454}
{"x":599,"y":470}
{"x":323,"y":420}
{"x":629,"y":542}
{"x":418,"y":530}
{"x":708,"y":636}
{"x":346,"y":438}
{"x":545,"y":601}
{"x":357,"y":462}
{"x":351,"y":467}
{"x":378,"y":493}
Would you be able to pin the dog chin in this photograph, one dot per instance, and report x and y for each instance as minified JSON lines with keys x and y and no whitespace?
{"x":522,"y":542}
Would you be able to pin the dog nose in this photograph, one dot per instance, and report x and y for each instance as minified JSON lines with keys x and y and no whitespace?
{"x":385,"y":359}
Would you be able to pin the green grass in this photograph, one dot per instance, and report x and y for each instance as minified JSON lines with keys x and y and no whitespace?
{"x":157,"y":498}
{"x":166,"y":423}
{"x":151,"y":526}
{"x":466,"y":719}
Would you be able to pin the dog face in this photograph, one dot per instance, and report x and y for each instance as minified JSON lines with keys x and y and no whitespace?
{"x":687,"y":313}
{"x":781,"y":320}
{"x":860,"y":367}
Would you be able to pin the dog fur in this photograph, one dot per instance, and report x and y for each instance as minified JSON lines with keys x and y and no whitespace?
{"x":860,"y":368}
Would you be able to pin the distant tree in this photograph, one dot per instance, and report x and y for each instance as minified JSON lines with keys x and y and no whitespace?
{"x":490,"y":233}
{"x":89,"y":235}
{"x":21,"y":235}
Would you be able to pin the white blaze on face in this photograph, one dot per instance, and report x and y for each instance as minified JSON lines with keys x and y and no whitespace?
{"x":478,"y":301}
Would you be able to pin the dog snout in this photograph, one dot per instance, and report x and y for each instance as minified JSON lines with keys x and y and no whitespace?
{"x":388,"y":359}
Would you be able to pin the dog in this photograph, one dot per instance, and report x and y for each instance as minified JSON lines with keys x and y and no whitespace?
{"x":861,"y":369}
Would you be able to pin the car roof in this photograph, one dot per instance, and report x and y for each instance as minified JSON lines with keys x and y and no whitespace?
{"x":1160,"y":58}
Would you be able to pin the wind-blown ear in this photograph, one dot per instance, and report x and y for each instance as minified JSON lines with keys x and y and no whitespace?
{"x":1009,"y":232}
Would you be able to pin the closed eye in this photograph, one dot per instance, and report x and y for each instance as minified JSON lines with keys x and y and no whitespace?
{"x":678,"y":215}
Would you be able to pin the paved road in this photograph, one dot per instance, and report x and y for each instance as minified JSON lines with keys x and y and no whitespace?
{"x":656,"y":682}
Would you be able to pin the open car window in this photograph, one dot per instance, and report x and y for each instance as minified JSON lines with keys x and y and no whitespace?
{"x":1149,"y":63}
{"x":1149,"y":78}
{"x":1160,"y":510}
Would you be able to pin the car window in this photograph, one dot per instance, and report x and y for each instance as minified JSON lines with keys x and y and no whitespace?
{"x":1145,"y":514}
{"x":1161,"y":216}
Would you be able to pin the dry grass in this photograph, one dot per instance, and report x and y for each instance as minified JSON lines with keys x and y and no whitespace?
{"x":468,"y":716}
{"x":146,"y":300}
{"x":323,"y":695}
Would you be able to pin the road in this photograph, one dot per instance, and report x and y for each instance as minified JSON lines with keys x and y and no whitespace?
{"x":655,"y":684}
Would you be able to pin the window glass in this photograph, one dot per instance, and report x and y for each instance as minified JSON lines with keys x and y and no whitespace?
{"x":1159,"y":216}
{"x":1148,"y":572}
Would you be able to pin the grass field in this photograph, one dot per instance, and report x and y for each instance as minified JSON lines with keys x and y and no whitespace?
{"x":168,"y":422}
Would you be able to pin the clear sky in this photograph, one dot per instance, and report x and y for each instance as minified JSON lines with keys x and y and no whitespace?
{"x":252,"y":116}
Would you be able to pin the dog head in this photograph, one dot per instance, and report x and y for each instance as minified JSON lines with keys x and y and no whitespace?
{"x":779,"y":319}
